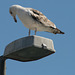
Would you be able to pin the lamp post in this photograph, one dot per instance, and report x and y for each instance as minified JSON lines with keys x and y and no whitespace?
{"x":2,"y":65}
{"x":27,"y":49}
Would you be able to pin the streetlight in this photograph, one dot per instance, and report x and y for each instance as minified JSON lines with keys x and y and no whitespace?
{"x":27,"y":49}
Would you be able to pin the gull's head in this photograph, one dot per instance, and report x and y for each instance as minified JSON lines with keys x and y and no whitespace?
{"x":12,"y":11}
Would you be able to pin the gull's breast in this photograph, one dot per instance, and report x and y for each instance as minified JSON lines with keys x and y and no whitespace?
{"x":30,"y":23}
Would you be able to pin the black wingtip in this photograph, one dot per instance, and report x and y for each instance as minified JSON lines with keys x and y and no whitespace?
{"x":57,"y":31}
{"x":62,"y":32}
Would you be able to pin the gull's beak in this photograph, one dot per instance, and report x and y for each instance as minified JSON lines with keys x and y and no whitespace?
{"x":15,"y":19}
{"x":14,"y":16}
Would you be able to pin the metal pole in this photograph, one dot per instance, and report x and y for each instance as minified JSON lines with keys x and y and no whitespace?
{"x":2,"y":66}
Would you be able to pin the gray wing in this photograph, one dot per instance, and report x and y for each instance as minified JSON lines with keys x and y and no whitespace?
{"x":38,"y":16}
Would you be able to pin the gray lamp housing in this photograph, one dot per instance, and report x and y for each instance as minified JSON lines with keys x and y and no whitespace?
{"x":29,"y":48}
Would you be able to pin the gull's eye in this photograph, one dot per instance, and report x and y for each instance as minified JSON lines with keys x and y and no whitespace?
{"x":11,"y":12}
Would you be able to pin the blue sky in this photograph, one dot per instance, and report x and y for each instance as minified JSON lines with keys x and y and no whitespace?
{"x":62,"y":13}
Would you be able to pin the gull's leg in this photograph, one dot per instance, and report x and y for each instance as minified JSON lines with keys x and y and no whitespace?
{"x":29,"y":32}
{"x":35,"y":30}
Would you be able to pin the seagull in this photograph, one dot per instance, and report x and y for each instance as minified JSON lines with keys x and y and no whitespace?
{"x":33,"y":19}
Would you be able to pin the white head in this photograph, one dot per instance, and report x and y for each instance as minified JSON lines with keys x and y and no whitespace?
{"x":12,"y":11}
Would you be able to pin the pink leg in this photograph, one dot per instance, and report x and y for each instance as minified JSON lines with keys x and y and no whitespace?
{"x":29,"y":32}
{"x":35,"y":30}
